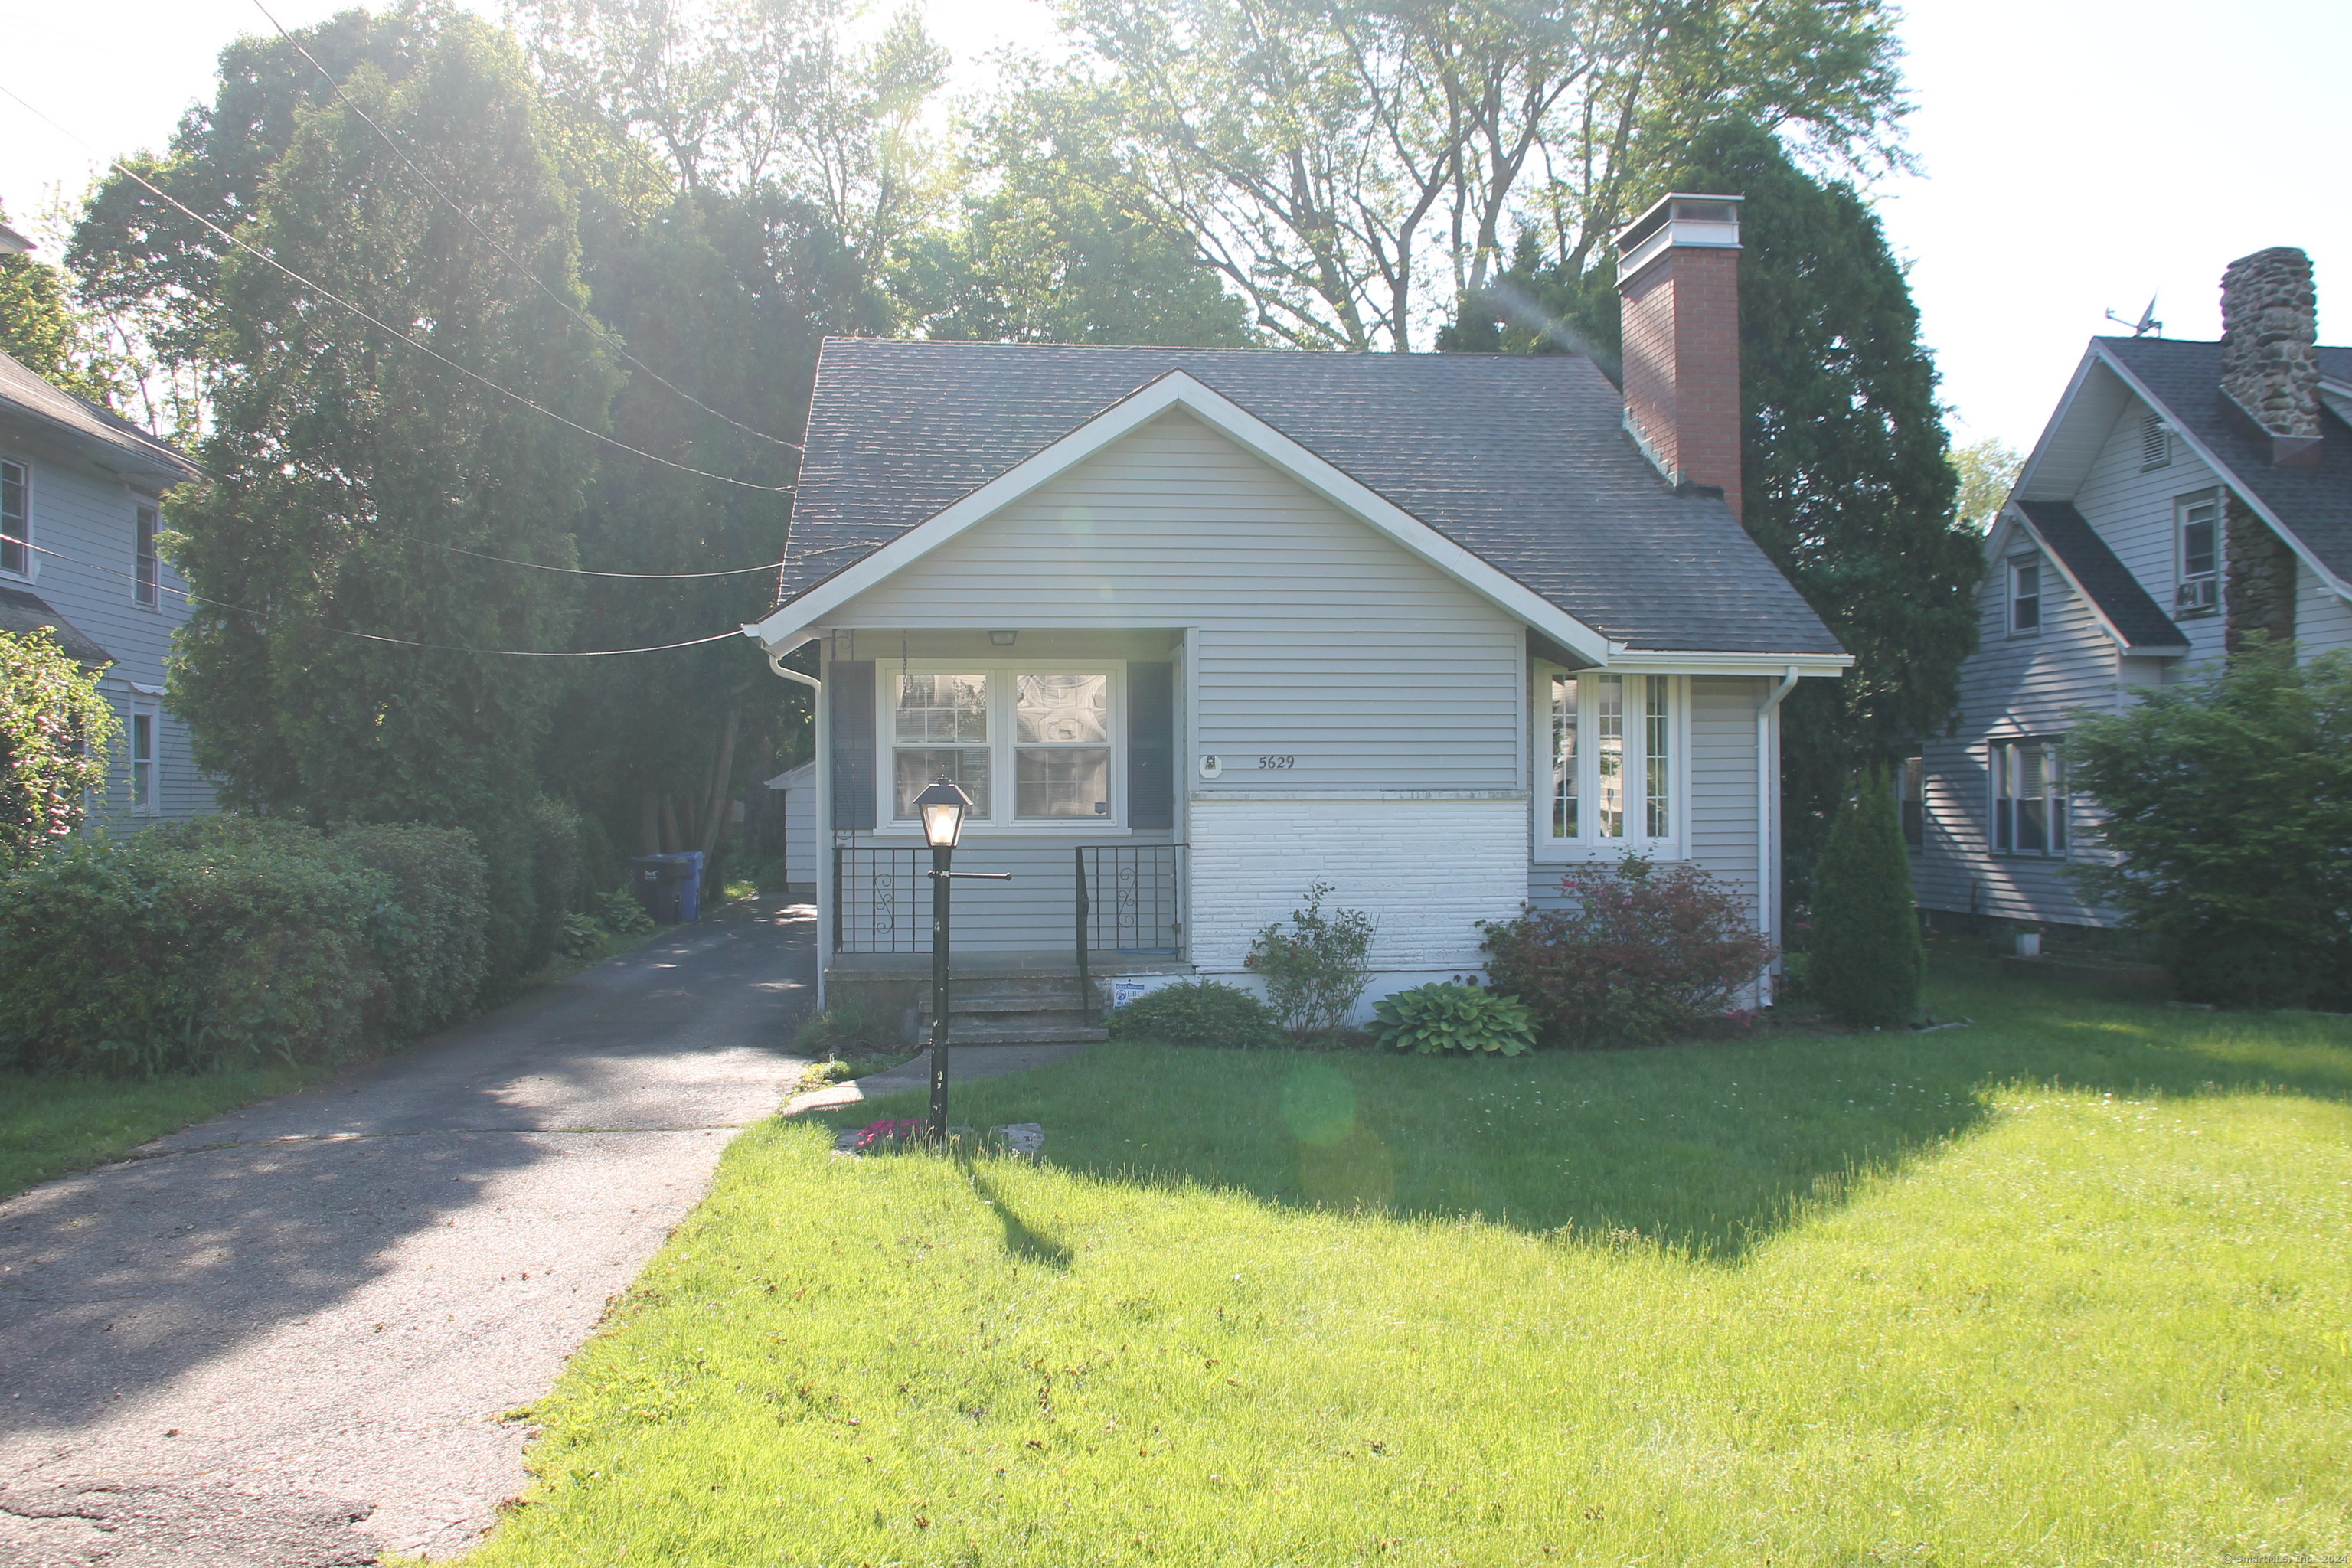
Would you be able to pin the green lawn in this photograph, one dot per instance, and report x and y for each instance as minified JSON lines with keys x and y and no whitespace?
{"x":2071,"y":1286}
{"x":53,"y":1126}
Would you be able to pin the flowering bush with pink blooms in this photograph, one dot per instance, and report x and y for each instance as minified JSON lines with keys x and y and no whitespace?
{"x":1646,"y":953}
{"x":891,"y":1132}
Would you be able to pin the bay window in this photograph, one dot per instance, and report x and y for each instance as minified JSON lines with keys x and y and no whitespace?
{"x":2029,"y":798}
{"x":1613,"y":778}
{"x":1031,"y":745}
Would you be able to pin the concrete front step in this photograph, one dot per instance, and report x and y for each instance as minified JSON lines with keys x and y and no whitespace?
{"x":1025,"y":1035}
{"x":960,"y":1001}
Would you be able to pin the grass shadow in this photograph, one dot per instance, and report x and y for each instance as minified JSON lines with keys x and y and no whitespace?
{"x":1710,"y":1148}
{"x":1021,"y":1240}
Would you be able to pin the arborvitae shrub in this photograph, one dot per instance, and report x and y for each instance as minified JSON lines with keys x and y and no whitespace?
{"x":433,"y":964}
{"x":1864,"y":961}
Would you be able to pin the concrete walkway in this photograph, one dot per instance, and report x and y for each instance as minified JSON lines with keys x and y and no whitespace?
{"x":286,"y":1337}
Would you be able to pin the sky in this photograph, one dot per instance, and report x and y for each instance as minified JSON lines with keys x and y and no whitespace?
{"x":2074,"y":156}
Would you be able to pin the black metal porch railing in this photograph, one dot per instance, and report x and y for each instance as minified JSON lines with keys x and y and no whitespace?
{"x":1129,"y":901}
{"x":881,"y":898}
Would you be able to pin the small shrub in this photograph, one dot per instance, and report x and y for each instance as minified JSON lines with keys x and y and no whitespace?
{"x":619,"y":914}
{"x":1315,"y":970}
{"x":1649,"y":952}
{"x":843,"y":1030}
{"x":555,"y":832}
{"x":1864,"y":961}
{"x":1447,"y":1015}
{"x":55,"y":734}
{"x":1197,"y":1013}
{"x":583,"y":934}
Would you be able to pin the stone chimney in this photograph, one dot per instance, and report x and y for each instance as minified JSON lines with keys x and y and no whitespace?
{"x":2269,"y":350}
{"x":1678,"y":302}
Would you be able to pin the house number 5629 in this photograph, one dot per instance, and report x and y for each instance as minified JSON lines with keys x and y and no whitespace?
{"x":1277,"y":764}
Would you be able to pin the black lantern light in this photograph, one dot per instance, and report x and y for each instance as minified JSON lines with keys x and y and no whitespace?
{"x":942,"y":809}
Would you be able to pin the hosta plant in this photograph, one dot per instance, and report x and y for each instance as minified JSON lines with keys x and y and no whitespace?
{"x":1447,"y":1015}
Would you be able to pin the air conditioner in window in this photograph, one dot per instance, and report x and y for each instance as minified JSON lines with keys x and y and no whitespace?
{"x":2201,"y":596}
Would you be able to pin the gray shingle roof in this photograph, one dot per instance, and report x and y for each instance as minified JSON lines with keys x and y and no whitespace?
{"x":1521,"y":459}
{"x":114,"y":439}
{"x":22,"y":613}
{"x":2128,"y":608}
{"x":2314,"y":504}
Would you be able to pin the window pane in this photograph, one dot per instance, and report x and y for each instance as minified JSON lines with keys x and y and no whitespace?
{"x":1068,"y":709}
{"x":2197,"y":553}
{"x":1915,"y":801}
{"x":2025,"y":589}
{"x":1609,"y":751}
{"x":2054,"y":769}
{"x":1073,"y":782}
{"x":143,"y":760}
{"x":1563,"y":757}
{"x":1658,"y":775}
{"x":144,"y":580}
{"x":912,"y":769}
{"x":948,"y":709}
{"x":13,"y":523}
{"x":2002,"y":793}
{"x":2032,"y":806}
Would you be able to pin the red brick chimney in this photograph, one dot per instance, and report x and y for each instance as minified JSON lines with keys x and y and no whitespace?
{"x":1679,"y":301}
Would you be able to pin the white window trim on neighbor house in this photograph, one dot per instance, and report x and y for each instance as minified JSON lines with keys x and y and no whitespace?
{"x":2017,"y":572}
{"x":147,"y":772}
{"x":2197,"y":593}
{"x":2005,"y":766}
{"x":19,"y":526}
{"x":1588,"y":842}
{"x":1002,"y":746}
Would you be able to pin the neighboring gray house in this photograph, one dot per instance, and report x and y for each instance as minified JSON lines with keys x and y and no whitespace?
{"x":2183,"y":495}
{"x":1199,"y":629}
{"x":80,"y":507}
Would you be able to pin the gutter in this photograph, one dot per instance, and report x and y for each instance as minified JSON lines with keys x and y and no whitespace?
{"x":1766,"y":834}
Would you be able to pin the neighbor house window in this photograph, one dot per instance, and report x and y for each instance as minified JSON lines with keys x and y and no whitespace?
{"x":1028,"y":745}
{"x":2029,"y":798}
{"x":2154,"y":443}
{"x":1614,"y":759}
{"x":1912,"y":797}
{"x":2200,"y":593}
{"x":144,"y":792}
{"x":2024,"y":595}
{"x":144,"y":580}
{"x":15,"y":520}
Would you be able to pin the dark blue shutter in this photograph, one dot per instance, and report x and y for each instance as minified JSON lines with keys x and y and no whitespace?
{"x":849,"y":683}
{"x":1151,"y":745}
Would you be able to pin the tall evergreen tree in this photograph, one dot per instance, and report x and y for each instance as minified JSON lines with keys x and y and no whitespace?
{"x":1864,"y":959}
{"x":343,"y":463}
{"x":1847,"y":481}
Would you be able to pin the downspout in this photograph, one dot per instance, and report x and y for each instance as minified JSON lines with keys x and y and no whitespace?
{"x":816,"y":707}
{"x":1766,"y":839}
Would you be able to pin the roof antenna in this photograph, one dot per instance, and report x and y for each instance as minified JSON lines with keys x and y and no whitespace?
{"x":2146,"y":325}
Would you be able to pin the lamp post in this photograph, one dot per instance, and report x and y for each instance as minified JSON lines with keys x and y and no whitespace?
{"x":941,"y":808}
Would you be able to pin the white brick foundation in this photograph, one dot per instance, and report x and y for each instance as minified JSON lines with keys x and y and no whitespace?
{"x":1427,"y":870}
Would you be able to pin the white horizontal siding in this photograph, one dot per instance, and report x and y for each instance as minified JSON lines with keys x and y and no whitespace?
{"x":2323,"y":618}
{"x":89,"y":515}
{"x":1318,"y":638}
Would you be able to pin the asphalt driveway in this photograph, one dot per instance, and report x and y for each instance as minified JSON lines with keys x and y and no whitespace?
{"x":288,"y":1336}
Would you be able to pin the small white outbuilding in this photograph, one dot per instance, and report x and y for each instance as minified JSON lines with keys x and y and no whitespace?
{"x":799,"y":789}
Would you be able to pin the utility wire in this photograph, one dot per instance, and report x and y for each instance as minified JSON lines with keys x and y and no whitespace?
{"x":584,"y":572}
{"x":373,"y":637}
{"x":127,"y":173}
{"x":492,"y":240}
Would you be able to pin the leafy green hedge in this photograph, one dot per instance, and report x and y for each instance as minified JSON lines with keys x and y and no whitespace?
{"x":1198,"y":1012}
{"x":229,"y":941}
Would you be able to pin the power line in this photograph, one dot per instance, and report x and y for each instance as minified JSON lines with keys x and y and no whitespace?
{"x":375,"y":637}
{"x":492,"y":241}
{"x":325,"y":293}
{"x":584,"y":572}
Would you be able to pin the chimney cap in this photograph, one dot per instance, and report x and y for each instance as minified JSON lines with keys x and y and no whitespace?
{"x":1678,"y":218}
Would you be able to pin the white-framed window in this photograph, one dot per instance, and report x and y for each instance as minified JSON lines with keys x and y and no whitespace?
{"x":2199,"y":559}
{"x":146,"y":777}
{"x":2154,"y":443}
{"x":146,"y":581}
{"x":2024,"y":575}
{"x":1037,"y":746}
{"x":16,"y":519}
{"x":2029,"y":797}
{"x":1610,"y":749}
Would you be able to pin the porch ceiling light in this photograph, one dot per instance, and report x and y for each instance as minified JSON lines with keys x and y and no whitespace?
{"x":942,"y":807}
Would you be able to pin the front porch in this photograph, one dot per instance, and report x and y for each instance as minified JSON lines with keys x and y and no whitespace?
{"x":1009,"y":996}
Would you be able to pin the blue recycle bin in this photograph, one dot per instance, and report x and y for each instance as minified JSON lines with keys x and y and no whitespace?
{"x":670,"y":885}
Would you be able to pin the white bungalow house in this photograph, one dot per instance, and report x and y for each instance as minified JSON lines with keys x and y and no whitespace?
{"x":1198,"y":630}
{"x":80,"y":492}
{"x":2183,"y":496}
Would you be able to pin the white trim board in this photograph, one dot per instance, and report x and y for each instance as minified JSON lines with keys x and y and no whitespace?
{"x":787,"y":628}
